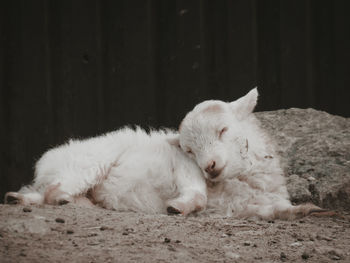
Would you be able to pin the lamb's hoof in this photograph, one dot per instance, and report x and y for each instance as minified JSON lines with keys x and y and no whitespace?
{"x":173,"y":211}
{"x":12,"y":199}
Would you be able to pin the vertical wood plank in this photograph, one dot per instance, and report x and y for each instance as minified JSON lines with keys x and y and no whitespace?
{"x":62,"y":67}
{"x":25,"y":90}
{"x":293,"y":54}
{"x":100,"y":83}
{"x":323,"y":46}
{"x":310,"y":53}
{"x":215,"y":57}
{"x":269,"y":77}
{"x":5,"y":66}
{"x":129,"y":62}
{"x":112,"y":58}
{"x":342,"y":57}
{"x":139,"y":89}
{"x":179,"y":60}
{"x":79,"y":19}
{"x":242,"y":48}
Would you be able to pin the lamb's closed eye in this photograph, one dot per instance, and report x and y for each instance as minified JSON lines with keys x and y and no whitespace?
{"x":222,"y":131}
{"x":189,"y":151}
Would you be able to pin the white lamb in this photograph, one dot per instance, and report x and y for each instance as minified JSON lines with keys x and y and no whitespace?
{"x":122,"y":170}
{"x":242,"y":169}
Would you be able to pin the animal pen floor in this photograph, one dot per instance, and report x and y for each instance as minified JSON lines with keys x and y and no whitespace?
{"x":73,"y":234}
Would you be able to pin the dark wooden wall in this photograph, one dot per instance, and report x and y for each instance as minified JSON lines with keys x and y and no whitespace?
{"x":77,"y":68}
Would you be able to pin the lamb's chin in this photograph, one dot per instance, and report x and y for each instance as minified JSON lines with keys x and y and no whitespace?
{"x":221,"y":177}
{"x":228,"y":176}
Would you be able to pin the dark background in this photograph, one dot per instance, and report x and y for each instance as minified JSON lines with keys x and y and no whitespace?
{"x":78,"y":68}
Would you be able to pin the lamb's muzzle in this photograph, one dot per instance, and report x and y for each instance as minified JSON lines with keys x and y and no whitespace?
{"x":213,"y":170}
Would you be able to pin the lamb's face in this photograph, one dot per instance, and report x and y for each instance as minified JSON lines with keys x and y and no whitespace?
{"x":213,"y":135}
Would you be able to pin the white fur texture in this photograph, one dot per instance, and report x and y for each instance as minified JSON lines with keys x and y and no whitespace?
{"x":122,"y":170}
{"x":238,"y":160}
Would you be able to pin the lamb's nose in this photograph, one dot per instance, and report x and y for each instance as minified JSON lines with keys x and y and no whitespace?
{"x":210,"y":168}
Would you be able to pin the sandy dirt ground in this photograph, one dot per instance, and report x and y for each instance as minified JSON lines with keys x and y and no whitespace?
{"x":73,"y":234}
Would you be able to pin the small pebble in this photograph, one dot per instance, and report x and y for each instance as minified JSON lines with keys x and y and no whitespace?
{"x":27,"y":209}
{"x":283,"y":256}
{"x":335,"y":254}
{"x":69,"y":231}
{"x":319,"y":237}
{"x":296,"y":244}
{"x":335,"y":257}
{"x":232,"y":255}
{"x":125,"y":233}
{"x":246,"y":244}
{"x":59,"y":220}
{"x":167,"y":240}
{"x":305,"y":255}
{"x":171,"y":248}
{"x":92,"y":244}
{"x":177,"y":241}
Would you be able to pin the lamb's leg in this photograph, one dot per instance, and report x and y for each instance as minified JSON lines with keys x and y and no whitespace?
{"x":302,"y":210}
{"x":59,"y":189}
{"x":17,"y":198}
{"x":13,"y":198}
{"x":192,"y":193}
{"x":67,"y":184}
{"x":71,"y":170}
{"x":187,"y":203}
{"x":55,"y":196}
{"x":275,"y":208}
{"x":291,"y":212}
{"x":27,"y":195}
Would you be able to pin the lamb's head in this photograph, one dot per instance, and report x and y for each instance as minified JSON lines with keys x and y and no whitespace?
{"x":214,"y":135}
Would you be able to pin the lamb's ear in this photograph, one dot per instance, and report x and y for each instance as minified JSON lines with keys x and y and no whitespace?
{"x":245,"y":105}
{"x":174,"y":141}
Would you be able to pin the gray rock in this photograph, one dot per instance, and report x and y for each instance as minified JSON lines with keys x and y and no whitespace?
{"x":315,"y":154}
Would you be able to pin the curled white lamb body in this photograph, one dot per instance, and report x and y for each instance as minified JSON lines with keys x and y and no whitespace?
{"x":226,"y":163}
{"x":238,"y":159}
{"x":122,"y":170}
